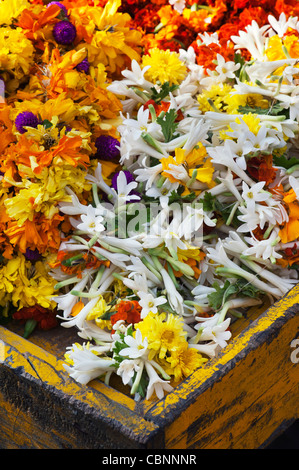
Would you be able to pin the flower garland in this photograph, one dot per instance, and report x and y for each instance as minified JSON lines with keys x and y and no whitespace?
{"x":150,"y":182}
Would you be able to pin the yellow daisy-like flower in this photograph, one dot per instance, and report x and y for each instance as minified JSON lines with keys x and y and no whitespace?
{"x":253,"y":100}
{"x":164,"y":333}
{"x":165,"y":66}
{"x":217,"y":96}
{"x":183,"y":362}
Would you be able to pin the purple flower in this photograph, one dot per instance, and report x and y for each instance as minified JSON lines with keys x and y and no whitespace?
{"x":62,"y":7}
{"x":107,"y":147}
{"x":64,"y":32}
{"x":32,"y":255}
{"x":26,"y":119}
{"x":83,"y":66}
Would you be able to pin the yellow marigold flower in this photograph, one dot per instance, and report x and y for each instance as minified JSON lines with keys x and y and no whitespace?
{"x":165,"y":66}
{"x":26,"y":285}
{"x":109,"y":39}
{"x":43,"y":195}
{"x":215,"y":97}
{"x":281,"y":48}
{"x":10,"y":9}
{"x":253,"y":100}
{"x":183,"y":362}
{"x":16,"y":52}
{"x":164,"y":333}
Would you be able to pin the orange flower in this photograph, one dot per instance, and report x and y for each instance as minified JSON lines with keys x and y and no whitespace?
{"x":41,"y":233}
{"x":290,"y":230}
{"x":127,"y":310}
{"x":37,"y":25}
{"x":70,"y":150}
{"x":6,"y":135}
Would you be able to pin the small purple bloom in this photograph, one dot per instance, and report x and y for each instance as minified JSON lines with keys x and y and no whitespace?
{"x":26,"y":119}
{"x":62,"y":7}
{"x":83,"y":66}
{"x":32,"y":255}
{"x":64,"y":32}
{"x":107,"y":147}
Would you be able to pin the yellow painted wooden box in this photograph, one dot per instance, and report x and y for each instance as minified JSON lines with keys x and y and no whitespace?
{"x":240,"y":400}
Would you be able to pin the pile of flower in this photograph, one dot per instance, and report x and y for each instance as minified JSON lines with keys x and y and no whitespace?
{"x":150,"y":176}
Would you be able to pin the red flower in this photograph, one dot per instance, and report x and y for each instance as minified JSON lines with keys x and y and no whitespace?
{"x":127,"y":310}
{"x":43,"y":318}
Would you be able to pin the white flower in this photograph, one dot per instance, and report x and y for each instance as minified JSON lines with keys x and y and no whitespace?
{"x":149,"y":303}
{"x":135,"y":76}
{"x":294,"y":185}
{"x":156,"y":384}
{"x":141,"y":124}
{"x":281,"y":25}
{"x":194,"y":220}
{"x":148,"y":173}
{"x":178,"y":5}
{"x":137,"y":347}
{"x":217,"y":333}
{"x":127,"y":369}
{"x":87,"y":365}
{"x":223,"y":155}
{"x":124,"y":188}
{"x":162,"y":192}
{"x":264,"y":249}
{"x":174,"y":297}
{"x":254,"y":194}
{"x":253,"y":39}
{"x":223,"y":71}
{"x":90,"y":223}
{"x":210,"y":349}
{"x":204,"y":322}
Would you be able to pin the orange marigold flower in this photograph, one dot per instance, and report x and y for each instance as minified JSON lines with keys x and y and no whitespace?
{"x":127,"y":310}
{"x":41,"y":233}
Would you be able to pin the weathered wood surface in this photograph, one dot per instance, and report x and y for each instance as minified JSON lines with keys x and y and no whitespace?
{"x":239,"y":400}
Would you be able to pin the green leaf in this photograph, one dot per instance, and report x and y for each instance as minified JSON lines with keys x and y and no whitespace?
{"x":274,"y":110}
{"x":47,"y":124}
{"x":165,"y":89}
{"x":219,"y":297}
{"x":208,"y":202}
{"x":168,"y":124}
{"x":284,"y":161}
{"x":240,"y":288}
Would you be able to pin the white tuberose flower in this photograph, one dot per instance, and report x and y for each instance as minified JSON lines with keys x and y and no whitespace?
{"x":87,"y":365}
{"x":124,"y":188}
{"x":127,"y":369}
{"x":90,"y":222}
{"x":149,"y":303}
{"x":156,"y":384}
{"x":137,"y":347}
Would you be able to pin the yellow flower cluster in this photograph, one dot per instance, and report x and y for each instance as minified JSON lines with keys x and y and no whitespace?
{"x":25,"y":286}
{"x":16,"y":54}
{"x":168,"y":345}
